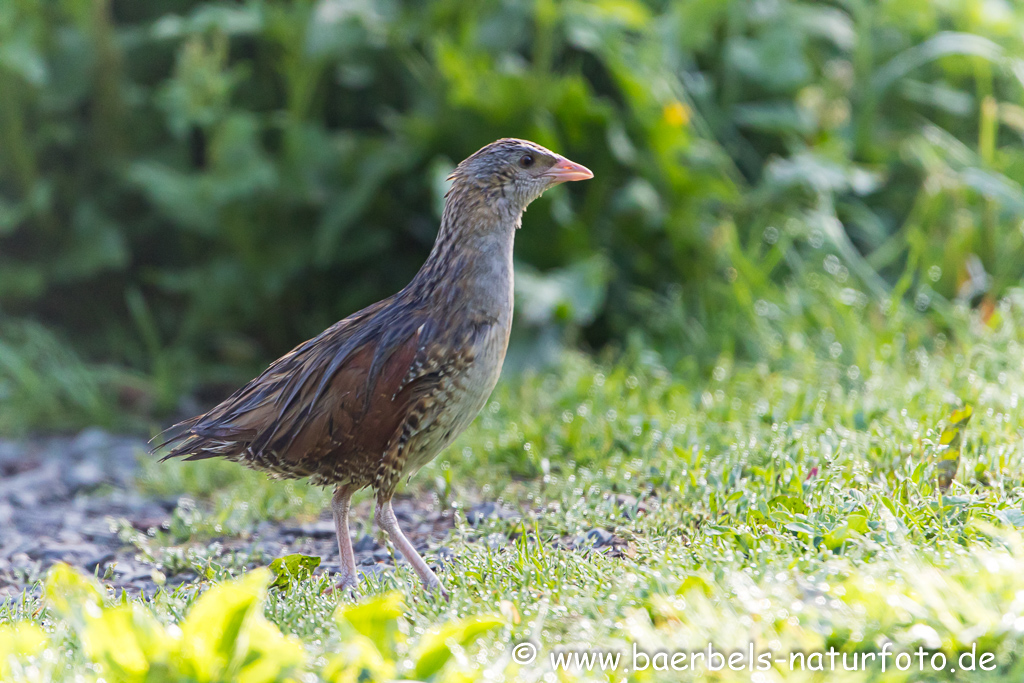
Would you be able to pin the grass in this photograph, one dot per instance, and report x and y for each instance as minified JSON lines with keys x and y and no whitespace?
{"x":792,"y":504}
{"x":43,"y":384}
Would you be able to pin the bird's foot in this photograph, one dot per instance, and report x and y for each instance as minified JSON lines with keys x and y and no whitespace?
{"x":384,"y":515}
{"x":345,"y":585}
{"x":432,"y":584}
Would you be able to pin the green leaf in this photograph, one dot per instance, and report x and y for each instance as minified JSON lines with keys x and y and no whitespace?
{"x":835,"y":538}
{"x":18,"y":641}
{"x":698,"y":583}
{"x":358,"y":660}
{"x":224,"y":637}
{"x":126,"y":641}
{"x":292,"y":568}
{"x":775,"y":59}
{"x":376,"y":619}
{"x":435,"y":647}
{"x":961,"y":416}
{"x":271,"y":654}
{"x":1011,"y":516}
{"x":215,"y":633}
{"x":788,"y":502}
{"x":950,"y":446}
{"x":69,"y":592}
{"x":858,"y":522}
{"x":574,"y":294}
{"x":19,"y":56}
{"x":941,"y":45}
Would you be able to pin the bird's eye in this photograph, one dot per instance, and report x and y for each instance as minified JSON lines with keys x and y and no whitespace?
{"x":526,"y":161}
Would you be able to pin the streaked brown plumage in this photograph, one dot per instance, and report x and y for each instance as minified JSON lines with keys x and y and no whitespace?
{"x":378,"y":395}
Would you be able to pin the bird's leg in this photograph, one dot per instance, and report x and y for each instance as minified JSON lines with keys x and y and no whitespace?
{"x":386,"y":520}
{"x":347,"y":579}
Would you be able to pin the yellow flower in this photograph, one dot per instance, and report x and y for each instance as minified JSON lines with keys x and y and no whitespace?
{"x":676,"y":114}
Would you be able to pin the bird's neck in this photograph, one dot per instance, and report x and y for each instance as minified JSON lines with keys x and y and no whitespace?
{"x":470,"y":266}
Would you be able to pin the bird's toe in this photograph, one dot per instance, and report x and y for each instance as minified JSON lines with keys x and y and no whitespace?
{"x":437,"y":588}
{"x":345,"y":585}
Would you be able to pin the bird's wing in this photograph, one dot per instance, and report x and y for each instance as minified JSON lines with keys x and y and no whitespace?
{"x":346,"y":391}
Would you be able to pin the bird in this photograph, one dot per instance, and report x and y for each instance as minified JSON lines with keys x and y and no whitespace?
{"x":378,"y":395}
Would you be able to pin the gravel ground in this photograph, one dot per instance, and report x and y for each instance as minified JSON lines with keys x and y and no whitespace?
{"x":66,"y":499}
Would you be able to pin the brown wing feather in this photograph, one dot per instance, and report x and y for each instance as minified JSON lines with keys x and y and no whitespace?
{"x":327,"y":408}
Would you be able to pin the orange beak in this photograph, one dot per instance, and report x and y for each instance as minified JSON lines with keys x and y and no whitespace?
{"x":565,"y":170}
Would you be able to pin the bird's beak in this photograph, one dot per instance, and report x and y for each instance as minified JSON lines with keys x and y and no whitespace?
{"x":565,"y":170}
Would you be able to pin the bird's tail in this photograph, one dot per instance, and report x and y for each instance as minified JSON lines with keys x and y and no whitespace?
{"x":184,"y":441}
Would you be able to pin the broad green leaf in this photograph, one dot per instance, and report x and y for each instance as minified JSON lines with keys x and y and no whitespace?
{"x":126,"y":641}
{"x":376,"y":619}
{"x":19,"y":641}
{"x":19,"y":56}
{"x":359,"y":661}
{"x":775,"y":59}
{"x":435,"y":647}
{"x":1011,"y":516}
{"x":961,"y":416}
{"x":291,"y":568}
{"x":835,"y":538}
{"x":69,"y":592}
{"x":695,"y":582}
{"x":857,"y":522}
{"x":270,"y":654}
{"x":788,"y":502}
{"x":571,"y":294}
{"x":216,"y":631}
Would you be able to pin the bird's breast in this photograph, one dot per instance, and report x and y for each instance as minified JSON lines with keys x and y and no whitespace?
{"x":462,"y":392}
{"x":473,"y":305}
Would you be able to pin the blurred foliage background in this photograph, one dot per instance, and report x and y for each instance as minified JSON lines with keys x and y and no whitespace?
{"x":189,"y":188}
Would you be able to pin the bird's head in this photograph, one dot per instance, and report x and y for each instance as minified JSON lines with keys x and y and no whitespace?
{"x":515,"y":172}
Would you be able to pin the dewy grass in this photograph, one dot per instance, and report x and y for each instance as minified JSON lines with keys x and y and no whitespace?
{"x":786,"y":511}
